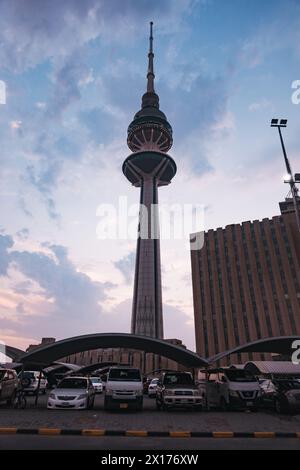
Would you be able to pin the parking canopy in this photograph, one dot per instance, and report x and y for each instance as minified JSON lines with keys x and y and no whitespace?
{"x":46,"y":355}
{"x":273,"y":368}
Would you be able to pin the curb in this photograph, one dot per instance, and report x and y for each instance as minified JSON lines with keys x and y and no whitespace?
{"x":141,"y":433}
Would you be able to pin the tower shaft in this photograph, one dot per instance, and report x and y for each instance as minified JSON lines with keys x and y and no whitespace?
{"x":148,"y":167}
{"x":147,"y":318}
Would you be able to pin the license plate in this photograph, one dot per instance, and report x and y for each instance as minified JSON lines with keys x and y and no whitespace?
{"x":65,"y":403}
{"x":124,"y":405}
{"x":249,"y":403}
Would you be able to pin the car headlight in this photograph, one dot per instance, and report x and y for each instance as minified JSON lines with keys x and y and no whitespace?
{"x":108,"y":391}
{"x":52,"y":395}
{"x":82,"y":396}
{"x":168,"y":391}
{"x":139,"y":392}
{"x":197,"y":393}
{"x":233,"y":393}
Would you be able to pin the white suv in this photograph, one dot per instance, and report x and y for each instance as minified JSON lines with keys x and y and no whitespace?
{"x":124,"y":389}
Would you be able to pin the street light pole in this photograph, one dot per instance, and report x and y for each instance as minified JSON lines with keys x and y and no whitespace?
{"x":291,"y":179}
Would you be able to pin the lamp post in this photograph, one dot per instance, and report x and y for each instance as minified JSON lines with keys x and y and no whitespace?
{"x":291,"y":179}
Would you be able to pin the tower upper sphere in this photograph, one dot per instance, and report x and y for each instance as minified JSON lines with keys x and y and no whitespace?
{"x":150,"y":129}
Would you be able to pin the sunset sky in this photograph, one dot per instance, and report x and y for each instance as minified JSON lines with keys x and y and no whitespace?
{"x":75,"y":73}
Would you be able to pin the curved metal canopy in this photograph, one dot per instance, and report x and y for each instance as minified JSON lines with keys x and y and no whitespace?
{"x":66,"y":347}
{"x":12,"y":352}
{"x":278,"y":344}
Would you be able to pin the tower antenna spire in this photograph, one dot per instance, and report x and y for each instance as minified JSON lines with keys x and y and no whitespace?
{"x":150,"y":73}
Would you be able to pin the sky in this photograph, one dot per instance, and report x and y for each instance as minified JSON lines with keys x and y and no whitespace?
{"x":74,"y":73}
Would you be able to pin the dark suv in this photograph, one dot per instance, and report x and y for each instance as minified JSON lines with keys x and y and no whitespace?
{"x":177,"y":389}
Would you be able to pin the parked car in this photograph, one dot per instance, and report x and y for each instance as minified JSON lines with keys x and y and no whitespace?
{"x":267,"y":388}
{"x":152,"y":388}
{"x":8,"y":385}
{"x":285,"y":396}
{"x":72,"y":392}
{"x":124,"y":389}
{"x":97,"y":384}
{"x":30,"y":381}
{"x":177,"y":389}
{"x":230,"y":388}
{"x":146,"y":383}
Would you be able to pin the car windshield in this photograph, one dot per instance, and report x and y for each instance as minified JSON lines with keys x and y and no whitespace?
{"x":154,"y":381}
{"x":95,"y":380}
{"x":180,"y":379}
{"x":239,"y":376}
{"x":73,"y":383}
{"x":125,"y":375}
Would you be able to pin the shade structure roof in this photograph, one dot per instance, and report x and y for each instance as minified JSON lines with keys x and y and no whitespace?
{"x":278,"y":344}
{"x":48,"y":354}
{"x":273,"y":367}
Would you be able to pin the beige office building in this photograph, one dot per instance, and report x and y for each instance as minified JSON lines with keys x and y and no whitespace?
{"x":246,"y":284}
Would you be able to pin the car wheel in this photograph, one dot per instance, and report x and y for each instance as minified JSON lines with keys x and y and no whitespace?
{"x":10,"y":400}
{"x":279,"y":407}
{"x":106,"y":404}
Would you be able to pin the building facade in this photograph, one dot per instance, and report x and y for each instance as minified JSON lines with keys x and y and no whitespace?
{"x":246,"y":284}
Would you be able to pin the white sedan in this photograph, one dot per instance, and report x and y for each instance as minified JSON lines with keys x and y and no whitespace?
{"x":72,"y":392}
{"x":98,"y":385}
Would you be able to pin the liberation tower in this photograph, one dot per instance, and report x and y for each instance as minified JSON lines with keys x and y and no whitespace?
{"x":148,"y":167}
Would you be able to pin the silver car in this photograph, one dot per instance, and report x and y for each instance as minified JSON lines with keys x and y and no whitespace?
{"x":72,"y":392}
{"x":286,"y":396}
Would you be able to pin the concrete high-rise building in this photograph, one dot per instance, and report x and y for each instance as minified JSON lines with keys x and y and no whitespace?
{"x":148,"y":167}
{"x":246,"y":283}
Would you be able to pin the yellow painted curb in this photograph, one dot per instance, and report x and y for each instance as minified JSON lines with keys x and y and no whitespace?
{"x":137,"y":433}
{"x":222,"y":434}
{"x":264,"y":434}
{"x":180,"y":434}
{"x":8,"y":430}
{"x":49,"y":431}
{"x":93,"y":432}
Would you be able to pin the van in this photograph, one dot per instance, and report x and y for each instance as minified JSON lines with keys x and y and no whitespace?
{"x":123,"y":389}
{"x":231,"y":388}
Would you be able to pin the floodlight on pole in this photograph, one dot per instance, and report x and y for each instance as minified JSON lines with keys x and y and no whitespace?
{"x":289,"y":178}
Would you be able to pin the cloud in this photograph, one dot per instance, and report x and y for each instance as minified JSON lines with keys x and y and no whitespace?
{"x":177,"y":324}
{"x":32,"y":31}
{"x":259,"y":105}
{"x":126,"y":266}
{"x":68,"y":301}
{"x":6,"y":242}
{"x":23,"y":234}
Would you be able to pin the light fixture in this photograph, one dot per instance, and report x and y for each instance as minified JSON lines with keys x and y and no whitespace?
{"x":287,"y":178}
